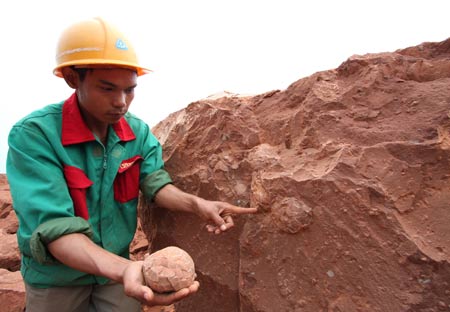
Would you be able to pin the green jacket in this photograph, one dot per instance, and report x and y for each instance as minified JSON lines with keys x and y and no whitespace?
{"x":64,"y":180}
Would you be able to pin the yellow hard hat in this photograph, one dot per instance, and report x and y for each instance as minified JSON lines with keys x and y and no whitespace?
{"x":95,"y":42}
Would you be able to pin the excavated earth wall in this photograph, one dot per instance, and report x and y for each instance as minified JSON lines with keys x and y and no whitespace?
{"x":349,"y":169}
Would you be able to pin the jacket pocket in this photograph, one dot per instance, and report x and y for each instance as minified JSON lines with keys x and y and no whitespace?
{"x":78,"y":183}
{"x":126,"y":183}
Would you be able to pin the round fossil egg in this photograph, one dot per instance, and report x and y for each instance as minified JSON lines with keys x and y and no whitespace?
{"x":169,"y":269}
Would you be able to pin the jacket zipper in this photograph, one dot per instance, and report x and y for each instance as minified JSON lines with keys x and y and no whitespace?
{"x":105,"y":158}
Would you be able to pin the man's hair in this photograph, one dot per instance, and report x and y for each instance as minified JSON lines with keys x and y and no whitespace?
{"x":81,"y":72}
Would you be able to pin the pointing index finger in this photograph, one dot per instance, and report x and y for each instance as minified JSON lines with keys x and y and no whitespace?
{"x":241,"y":210}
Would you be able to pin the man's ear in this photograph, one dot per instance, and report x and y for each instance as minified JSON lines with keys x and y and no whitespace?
{"x":71,"y":77}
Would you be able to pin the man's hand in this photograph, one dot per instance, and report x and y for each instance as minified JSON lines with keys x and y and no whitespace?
{"x":219,"y":214}
{"x":134,"y":285}
{"x":79,"y":252}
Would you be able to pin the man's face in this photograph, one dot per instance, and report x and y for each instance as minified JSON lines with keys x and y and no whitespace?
{"x":105,"y":95}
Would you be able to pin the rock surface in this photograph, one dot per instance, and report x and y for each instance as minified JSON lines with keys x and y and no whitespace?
{"x":12,"y":289}
{"x":349,"y":169}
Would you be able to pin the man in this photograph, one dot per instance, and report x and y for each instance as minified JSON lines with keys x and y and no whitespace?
{"x":75,"y":171}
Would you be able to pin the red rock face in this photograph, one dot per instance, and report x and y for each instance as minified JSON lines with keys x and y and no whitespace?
{"x":350,"y":171}
{"x":12,"y":289}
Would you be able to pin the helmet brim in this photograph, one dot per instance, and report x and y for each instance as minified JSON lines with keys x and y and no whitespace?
{"x":96,"y":63}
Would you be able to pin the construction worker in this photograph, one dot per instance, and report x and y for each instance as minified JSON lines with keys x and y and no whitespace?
{"x":76,"y":169}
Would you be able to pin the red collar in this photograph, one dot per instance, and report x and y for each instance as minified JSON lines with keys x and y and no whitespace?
{"x":75,"y":130}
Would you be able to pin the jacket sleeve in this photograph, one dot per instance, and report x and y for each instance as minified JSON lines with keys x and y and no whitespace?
{"x":39,"y":192}
{"x":153,"y":175}
{"x":53,"y":229}
{"x":153,"y":182}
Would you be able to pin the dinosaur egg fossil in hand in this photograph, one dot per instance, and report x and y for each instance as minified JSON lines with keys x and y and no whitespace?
{"x":169,"y":269}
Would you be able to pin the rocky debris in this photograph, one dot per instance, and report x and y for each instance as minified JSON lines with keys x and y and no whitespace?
{"x":12,"y":288}
{"x":12,"y":291}
{"x":349,"y":169}
{"x":5,"y":197}
{"x":9,"y":253}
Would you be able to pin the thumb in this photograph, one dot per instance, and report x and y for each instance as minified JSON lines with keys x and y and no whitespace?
{"x":218,"y":221}
{"x":141,"y":293}
{"x":147,"y":293}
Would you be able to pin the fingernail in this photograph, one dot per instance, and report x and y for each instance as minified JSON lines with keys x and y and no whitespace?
{"x":223,"y":227}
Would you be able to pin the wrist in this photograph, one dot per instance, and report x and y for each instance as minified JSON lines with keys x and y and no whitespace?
{"x":116,"y":270}
{"x":195,"y":204}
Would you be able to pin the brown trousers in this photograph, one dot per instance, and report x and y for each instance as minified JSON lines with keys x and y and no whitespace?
{"x":92,"y":298}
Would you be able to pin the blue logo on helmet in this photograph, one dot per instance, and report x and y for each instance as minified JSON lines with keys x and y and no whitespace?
{"x":120,"y":44}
